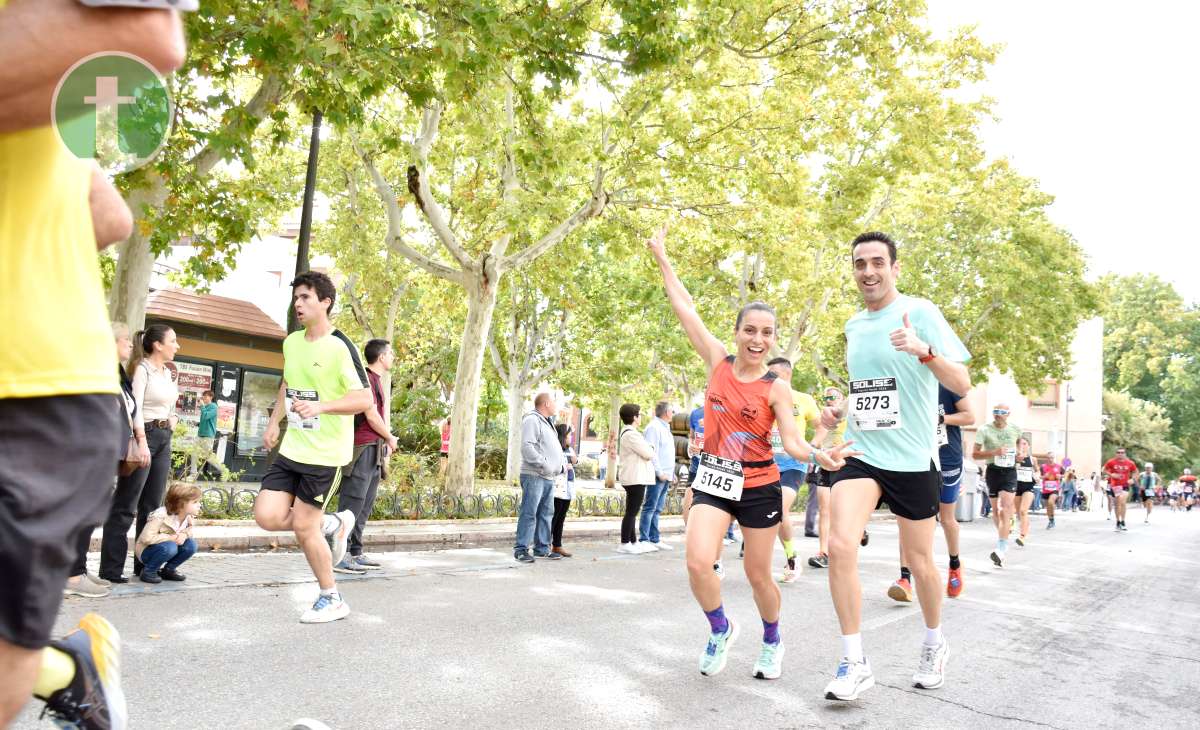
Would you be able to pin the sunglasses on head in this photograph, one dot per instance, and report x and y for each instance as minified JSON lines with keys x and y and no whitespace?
{"x":829,"y":397}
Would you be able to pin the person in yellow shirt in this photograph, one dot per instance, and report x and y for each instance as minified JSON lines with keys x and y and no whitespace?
{"x":59,"y":392}
{"x":791,"y":471}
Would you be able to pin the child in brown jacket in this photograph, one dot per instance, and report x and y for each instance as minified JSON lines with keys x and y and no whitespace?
{"x":166,"y":541}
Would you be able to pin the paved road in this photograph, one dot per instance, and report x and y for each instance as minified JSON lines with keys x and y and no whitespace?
{"x":1085,"y":628}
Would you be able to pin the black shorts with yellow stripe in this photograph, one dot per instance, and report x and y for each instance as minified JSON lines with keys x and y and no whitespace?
{"x":311,"y":484}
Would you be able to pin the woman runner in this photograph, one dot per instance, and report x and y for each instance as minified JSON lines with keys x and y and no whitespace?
{"x":1027,"y":476}
{"x":737,"y":476}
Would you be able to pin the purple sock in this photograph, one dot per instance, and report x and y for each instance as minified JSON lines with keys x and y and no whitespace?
{"x":770,"y":632}
{"x":717,"y":620}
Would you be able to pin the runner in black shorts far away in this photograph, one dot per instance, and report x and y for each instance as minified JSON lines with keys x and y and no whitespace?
{"x":737,"y":475}
{"x":997,"y":440}
{"x":897,"y":351}
{"x":324,"y":386}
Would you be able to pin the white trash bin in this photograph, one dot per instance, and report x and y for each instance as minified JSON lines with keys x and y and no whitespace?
{"x":967,"y":506}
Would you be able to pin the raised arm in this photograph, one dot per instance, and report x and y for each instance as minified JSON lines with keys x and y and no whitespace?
{"x":709,"y":348}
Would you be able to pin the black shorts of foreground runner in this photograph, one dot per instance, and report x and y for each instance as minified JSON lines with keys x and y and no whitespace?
{"x":758,"y":507}
{"x":912,"y":495}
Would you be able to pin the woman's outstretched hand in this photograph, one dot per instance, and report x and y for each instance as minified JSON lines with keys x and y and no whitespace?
{"x":835,"y":458}
{"x":657,"y":242}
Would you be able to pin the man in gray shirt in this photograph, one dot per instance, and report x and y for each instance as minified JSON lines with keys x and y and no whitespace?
{"x":541,"y":461}
{"x":658,"y":434}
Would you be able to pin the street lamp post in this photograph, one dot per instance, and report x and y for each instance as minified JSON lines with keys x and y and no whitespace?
{"x":310,"y":188}
{"x":1067,"y":436}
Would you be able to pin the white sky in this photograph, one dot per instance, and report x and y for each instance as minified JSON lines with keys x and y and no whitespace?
{"x":1098,"y":101}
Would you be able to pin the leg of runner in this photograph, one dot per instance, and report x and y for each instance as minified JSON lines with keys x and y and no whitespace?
{"x":786,"y":533}
{"x":1023,"y":510}
{"x":705,"y":529}
{"x":1122,"y":497}
{"x":901,"y":589}
{"x":1050,"y":500}
{"x":954,"y":584}
{"x":760,"y":546}
{"x":1004,"y":510}
{"x":1148,"y":502}
{"x":821,"y":559}
{"x":917,"y":538}
{"x":851,"y":504}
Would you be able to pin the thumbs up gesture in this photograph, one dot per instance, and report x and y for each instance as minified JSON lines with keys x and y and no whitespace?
{"x":905,"y":340}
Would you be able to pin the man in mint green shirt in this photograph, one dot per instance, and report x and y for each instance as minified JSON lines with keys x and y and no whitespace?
{"x":324,"y":386}
{"x":997,"y":442}
{"x":898,"y":348}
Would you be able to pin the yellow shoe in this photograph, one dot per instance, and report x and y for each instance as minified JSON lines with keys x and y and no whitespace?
{"x":94,"y":698}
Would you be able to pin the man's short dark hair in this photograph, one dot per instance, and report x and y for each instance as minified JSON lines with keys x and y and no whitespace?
{"x":629,"y":412}
{"x":872,"y":237}
{"x":780,"y":361}
{"x":374,"y":348}
{"x":320,"y":283}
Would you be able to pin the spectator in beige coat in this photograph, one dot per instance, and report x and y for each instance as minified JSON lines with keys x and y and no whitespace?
{"x":636,"y":473}
{"x":166,"y":540}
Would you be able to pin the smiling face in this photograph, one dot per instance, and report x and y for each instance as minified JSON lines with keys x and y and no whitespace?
{"x":755,"y":336}
{"x":875,"y":273}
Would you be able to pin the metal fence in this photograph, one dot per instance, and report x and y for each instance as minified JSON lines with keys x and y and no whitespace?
{"x":236,"y":502}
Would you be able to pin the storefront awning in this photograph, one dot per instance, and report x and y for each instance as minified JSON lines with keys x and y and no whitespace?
{"x":207,"y":310}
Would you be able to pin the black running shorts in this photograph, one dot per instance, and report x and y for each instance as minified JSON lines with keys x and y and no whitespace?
{"x":1000,"y":479}
{"x":310,"y":484}
{"x":758,"y":507}
{"x":1024,"y":488}
{"x":912,"y":495}
{"x":58,"y":464}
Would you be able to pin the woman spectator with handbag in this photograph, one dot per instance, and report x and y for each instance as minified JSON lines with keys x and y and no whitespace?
{"x":136,"y":455}
{"x":155,"y":393}
{"x":564,"y":490}
{"x":636,"y":473}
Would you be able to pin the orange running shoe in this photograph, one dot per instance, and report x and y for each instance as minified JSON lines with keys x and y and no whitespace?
{"x":954,"y":584}
{"x":901,"y":591}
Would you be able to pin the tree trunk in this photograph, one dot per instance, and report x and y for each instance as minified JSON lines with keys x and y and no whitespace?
{"x":135,"y":262}
{"x":614,"y":425}
{"x":481,"y":304}
{"x":516,"y":402}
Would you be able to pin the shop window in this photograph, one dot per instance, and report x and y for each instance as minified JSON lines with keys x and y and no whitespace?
{"x":1047,"y":398}
{"x":259,"y":391}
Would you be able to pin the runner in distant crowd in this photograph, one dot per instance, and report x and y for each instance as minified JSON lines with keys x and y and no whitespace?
{"x":1120,"y":471}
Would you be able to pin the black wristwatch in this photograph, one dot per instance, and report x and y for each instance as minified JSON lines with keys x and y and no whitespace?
{"x":941,"y":419}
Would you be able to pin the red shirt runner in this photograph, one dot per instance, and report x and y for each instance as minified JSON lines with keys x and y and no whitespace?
{"x":737,"y":423}
{"x":1051,"y":476}
{"x":1119,"y":472}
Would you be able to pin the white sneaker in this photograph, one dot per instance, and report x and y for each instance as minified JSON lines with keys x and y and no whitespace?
{"x":851,"y":680}
{"x":728,"y":541}
{"x":326,"y":609}
{"x":931,"y":674}
{"x":337,"y":537}
{"x":627,"y":548}
{"x":641,"y":548}
{"x":662,"y":546}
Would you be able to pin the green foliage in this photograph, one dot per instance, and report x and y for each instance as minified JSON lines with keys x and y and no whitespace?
{"x":1141,"y":427}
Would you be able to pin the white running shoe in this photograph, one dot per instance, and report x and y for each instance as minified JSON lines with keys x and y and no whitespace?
{"x":339,"y":535}
{"x":662,"y":546}
{"x":931,"y":674}
{"x":641,"y":548}
{"x":770,"y":662}
{"x":627,"y":548}
{"x":852,"y":679}
{"x":326,"y":609}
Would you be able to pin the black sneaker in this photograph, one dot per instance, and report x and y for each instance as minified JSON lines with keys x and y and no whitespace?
{"x":866,"y":539}
{"x":820,"y":560}
{"x":148,"y":577}
{"x":551,"y":556}
{"x":168,"y":574}
{"x":93,"y":700}
{"x":523,"y":556}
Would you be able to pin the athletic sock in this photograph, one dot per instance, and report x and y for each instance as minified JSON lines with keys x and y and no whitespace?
{"x":852,"y":647}
{"x":788,"y":550}
{"x":905,"y":573}
{"x":57,"y":671}
{"x":933,"y":637}
{"x":954,"y":564}
{"x":331,"y":592}
{"x":770,"y":632}
{"x":716,"y":620}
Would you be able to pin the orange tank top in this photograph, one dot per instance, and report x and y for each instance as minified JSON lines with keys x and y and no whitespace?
{"x":737,"y":423}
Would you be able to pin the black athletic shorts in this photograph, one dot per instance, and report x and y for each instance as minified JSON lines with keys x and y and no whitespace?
{"x":759,"y":506}
{"x":310,"y":484}
{"x":912,"y":495}
{"x":792,"y":479}
{"x":818,"y":477}
{"x":1000,"y":479}
{"x":58,"y":464}
{"x":1025,"y":488}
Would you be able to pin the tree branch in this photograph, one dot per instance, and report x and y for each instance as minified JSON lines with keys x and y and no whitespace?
{"x":592,"y":208}
{"x":981,"y":320}
{"x":356,"y":306}
{"x":393,"y":307}
{"x":497,"y":361}
{"x":509,"y":185}
{"x":395,"y":238}
{"x":418,"y":185}
{"x":269,"y":94}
